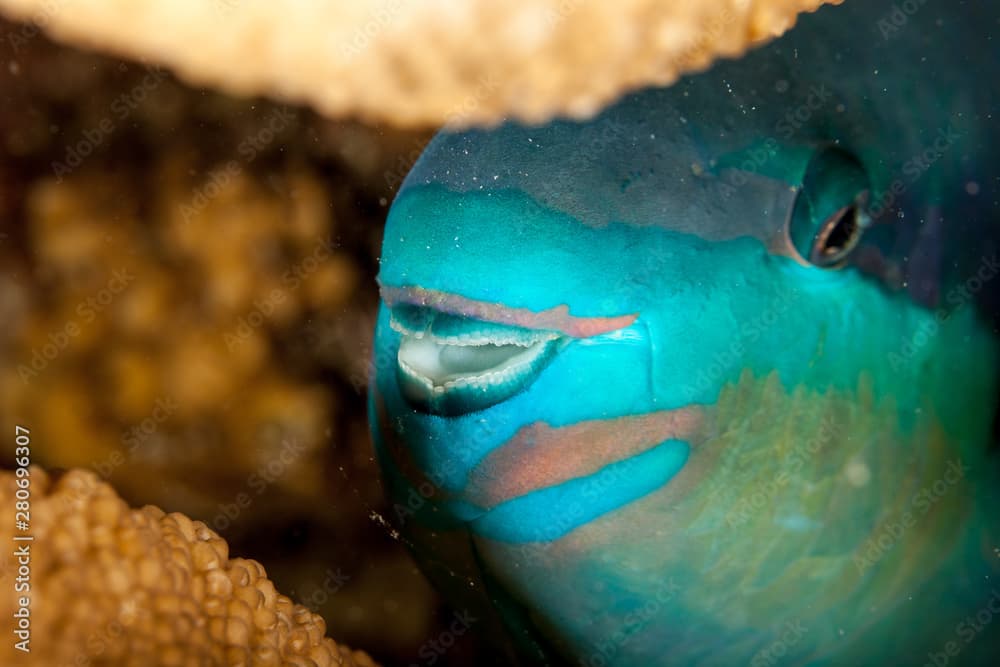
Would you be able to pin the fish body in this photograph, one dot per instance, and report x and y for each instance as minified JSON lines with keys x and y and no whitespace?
{"x":711,"y":378}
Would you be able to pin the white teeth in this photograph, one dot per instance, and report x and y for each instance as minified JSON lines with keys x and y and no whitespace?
{"x":398,"y":326}
{"x":484,"y":380}
{"x":453,"y":365}
{"x":440,"y":364}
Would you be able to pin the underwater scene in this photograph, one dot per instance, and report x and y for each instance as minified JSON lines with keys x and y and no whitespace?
{"x":535,"y":332}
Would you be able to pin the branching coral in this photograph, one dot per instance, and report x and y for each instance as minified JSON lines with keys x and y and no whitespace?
{"x":114,"y":586}
{"x":424,"y":62}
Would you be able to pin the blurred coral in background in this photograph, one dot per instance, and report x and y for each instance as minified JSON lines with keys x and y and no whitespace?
{"x":427,"y":62}
{"x":187,"y":299}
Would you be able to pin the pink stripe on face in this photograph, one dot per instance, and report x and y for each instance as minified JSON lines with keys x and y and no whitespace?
{"x":539,"y":455}
{"x":553,"y":319}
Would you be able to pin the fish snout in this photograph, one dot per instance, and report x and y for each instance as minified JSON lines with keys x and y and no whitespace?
{"x":459,"y":355}
{"x":450,"y":365}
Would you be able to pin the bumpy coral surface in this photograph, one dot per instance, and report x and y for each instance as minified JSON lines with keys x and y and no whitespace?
{"x":187,"y":381}
{"x":424,"y":62}
{"x":109,"y":585}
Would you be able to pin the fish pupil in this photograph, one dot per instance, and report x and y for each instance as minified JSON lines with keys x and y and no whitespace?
{"x":843,"y":232}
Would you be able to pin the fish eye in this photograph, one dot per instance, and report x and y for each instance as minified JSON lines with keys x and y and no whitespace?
{"x":830,"y":213}
{"x":839,"y":234}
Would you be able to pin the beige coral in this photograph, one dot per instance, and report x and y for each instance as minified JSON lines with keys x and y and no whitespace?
{"x":460,"y":61}
{"x":191,"y":341}
{"x":114,"y":586}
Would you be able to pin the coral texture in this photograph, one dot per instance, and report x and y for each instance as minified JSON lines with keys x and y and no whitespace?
{"x":178,"y":345}
{"x":223,"y":373}
{"x":470,"y":61}
{"x":111,"y":585}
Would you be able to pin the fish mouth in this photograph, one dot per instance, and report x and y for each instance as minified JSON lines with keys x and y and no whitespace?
{"x":449,"y":365}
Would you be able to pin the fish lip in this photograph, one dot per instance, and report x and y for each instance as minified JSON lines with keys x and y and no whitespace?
{"x":452,"y":392}
{"x":458,"y":355}
{"x":519,"y":336}
{"x":556,"y":319}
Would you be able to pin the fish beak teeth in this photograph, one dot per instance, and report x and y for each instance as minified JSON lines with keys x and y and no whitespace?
{"x":469,"y":370}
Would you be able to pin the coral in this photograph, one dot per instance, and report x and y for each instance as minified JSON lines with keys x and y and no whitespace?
{"x":177,"y":330}
{"x":111,"y":585}
{"x":222,"y":373}
{"x":423,"y":62}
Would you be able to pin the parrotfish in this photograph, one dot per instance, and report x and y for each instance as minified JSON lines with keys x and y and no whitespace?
{"x":710,"y":378}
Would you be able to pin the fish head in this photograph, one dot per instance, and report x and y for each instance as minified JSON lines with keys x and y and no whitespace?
{"x":564,"y":309}
{"x":537,"y":280}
